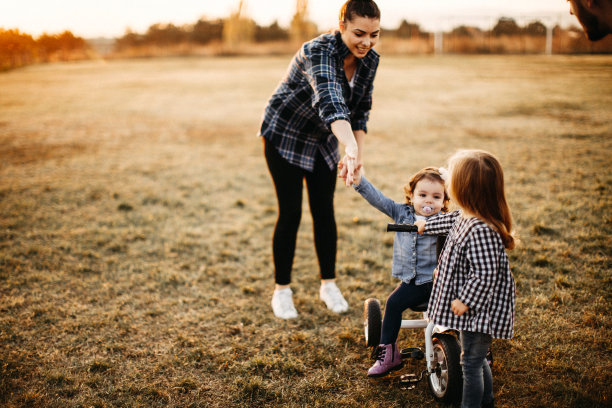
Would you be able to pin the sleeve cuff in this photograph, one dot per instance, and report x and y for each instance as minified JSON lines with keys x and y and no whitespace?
{"x":360,"y":125}
{"x":336,"y":116}
{"x":361,"y":185}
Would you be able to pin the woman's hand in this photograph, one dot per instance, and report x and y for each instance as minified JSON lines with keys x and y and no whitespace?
{"x":458,"y":307}
{"x":349,"y":177}
{"x":351,"y":165}
{"x":342,"y":130}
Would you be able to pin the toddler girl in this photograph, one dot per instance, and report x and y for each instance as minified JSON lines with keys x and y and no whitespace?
{"x":474,"y":290}
{"x":414,"y":256}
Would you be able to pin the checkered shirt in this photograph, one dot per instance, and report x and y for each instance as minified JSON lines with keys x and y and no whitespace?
{"x":473,"y":268}
{"x":315,"y":93}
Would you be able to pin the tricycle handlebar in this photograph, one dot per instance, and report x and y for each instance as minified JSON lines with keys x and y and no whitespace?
{"x":402,"y":227}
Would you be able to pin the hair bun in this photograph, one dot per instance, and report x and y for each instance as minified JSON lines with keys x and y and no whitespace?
{"x":361,"y":8}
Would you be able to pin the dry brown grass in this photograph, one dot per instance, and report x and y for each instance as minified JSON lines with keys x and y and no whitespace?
{"x":136,"y":216}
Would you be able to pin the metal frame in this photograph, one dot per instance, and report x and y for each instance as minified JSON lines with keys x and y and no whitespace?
{"x":430,"y":329}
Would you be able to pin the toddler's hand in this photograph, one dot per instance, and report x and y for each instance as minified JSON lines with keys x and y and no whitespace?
{"x":358,"y":174}
{"x":342,"y":170}
{"x":458,"y":307}
{"x":421,"y":225}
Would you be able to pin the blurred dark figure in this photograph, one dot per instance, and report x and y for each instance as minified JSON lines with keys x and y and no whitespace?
{"x":595,"y":17}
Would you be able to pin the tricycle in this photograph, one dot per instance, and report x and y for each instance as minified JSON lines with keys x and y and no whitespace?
{"x":442,"y":349}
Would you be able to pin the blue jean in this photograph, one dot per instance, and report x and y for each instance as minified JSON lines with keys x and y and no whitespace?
{"x":406,"y":295}
{"x":477,"y":377}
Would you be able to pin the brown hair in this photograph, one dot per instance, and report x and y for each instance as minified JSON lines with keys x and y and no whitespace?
{"x":429,"y":173}
{"x":477,"y":186}
{"x":361,"y":8}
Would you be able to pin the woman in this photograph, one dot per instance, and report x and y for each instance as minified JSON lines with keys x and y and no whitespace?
{"x":325,"y":97}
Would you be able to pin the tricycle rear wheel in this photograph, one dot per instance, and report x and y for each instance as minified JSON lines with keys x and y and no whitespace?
{"x":446,"y":380}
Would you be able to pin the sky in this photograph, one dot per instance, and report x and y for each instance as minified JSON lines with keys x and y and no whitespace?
{"x":111,"y":18}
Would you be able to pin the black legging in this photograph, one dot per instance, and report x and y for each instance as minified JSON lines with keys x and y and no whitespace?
{"x":406,"y":295}
{"x":288,"y":182}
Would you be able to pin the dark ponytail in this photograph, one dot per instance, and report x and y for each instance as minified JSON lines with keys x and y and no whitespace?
{"x":361,"y":8}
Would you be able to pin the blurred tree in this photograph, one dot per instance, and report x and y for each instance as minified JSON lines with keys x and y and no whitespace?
{"x":536,"y":29}
{"x":206,"y":31}
{"x":506,"y":26}
{"x":59,"y":45}
{"x":466,"y":31}
{"x":408,"y":30}
{"x":16,"y":49}
{"x":69,"y":42}
{"x":129,"y":40}
{"x":238,"y":29}
{"x":48,"y":44}
{"x":301,"y":28}
{"x":273,"y":32}
{"x":165,"y":34}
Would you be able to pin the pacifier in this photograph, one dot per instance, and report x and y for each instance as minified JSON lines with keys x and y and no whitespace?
{"x":427,"y":209}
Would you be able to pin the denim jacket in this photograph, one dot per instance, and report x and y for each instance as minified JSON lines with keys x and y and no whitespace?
{"x":406,"y":264}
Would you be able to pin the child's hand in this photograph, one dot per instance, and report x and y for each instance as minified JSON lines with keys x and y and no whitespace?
{"x":344,"y":175}
{"x":458,"y":307}
{"x":342,"y":170}
{"x":421,"y":225}
{"x":358,"y":174}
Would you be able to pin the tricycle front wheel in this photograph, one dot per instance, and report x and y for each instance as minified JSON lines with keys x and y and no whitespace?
{"x":372,"y":322}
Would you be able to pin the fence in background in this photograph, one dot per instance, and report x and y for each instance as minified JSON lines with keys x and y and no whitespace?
{"x":526,"y":34}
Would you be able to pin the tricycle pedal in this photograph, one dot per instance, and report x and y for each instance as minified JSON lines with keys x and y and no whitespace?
{"x":412,"y":352}
{"x":409,"y":381}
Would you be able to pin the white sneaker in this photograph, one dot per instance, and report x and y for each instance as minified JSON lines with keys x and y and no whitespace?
{"x":330,"y":294}
{"x":282,"y":304}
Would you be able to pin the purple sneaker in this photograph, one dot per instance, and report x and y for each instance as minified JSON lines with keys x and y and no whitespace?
{"x":388,"y":359}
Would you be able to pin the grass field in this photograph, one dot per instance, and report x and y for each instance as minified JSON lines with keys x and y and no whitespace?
{"x":136,"y":215}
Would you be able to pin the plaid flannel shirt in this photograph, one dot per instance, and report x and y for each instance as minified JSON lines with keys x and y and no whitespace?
{"x":473,"y":268}
{"x":315,"y":93}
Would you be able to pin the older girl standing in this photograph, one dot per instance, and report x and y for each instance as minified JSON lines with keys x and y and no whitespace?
{"x":474,"y":292}
{"x":325,"y":98}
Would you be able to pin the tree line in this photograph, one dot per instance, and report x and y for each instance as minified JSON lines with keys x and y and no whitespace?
{"x":506,"y":36}
{"x":208,"y":31}
{"x":202,"y":32}
{"x":18,"y":49}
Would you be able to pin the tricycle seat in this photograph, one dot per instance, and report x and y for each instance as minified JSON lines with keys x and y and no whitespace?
{"x":420,"y":308}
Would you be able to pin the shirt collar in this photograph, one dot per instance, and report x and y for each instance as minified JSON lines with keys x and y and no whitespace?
{"x":343,"y":50}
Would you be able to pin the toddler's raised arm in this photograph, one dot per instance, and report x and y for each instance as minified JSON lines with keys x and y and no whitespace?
{"x":377,"y":199}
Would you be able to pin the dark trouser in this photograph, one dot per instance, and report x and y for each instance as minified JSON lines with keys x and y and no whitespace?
{"x":288,"y":182}
{"x":477,"y":378}
{"x":406,"y":295}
